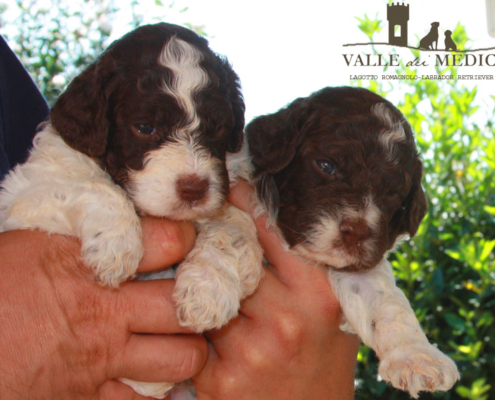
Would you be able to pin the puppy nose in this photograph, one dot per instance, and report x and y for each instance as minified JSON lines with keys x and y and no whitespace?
{"x":354,"y":231}
{"x":192,"y":188}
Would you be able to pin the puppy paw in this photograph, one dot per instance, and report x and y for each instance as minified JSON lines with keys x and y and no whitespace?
{"x":421,"y":368}
{"x":206,"y":300}
{"x":149,"y":389}
{"x":244,"y":249}
{"x":114,"y":256}
{"x":250,"y":266}
{"x":224,"y":267}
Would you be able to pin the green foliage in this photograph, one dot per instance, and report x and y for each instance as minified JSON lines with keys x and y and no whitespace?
{"x":448,"y":270}
{"x":369,"y":26}
{"x":56,"y":39}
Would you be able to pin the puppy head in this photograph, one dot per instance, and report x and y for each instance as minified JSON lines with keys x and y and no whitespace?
{"x":158,"y":110}
{"x":448,"y":33}
{"x":340,"y":175}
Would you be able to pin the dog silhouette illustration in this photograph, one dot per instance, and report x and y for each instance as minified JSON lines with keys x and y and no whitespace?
{"x":449,"y":42}
{"x":432,"y":37}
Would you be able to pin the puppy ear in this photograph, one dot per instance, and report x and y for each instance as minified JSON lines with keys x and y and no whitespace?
{"x":415,"y":203}
{"x":238,"y":109}
{"x":273,"y":138}
{"x":79,"y":114}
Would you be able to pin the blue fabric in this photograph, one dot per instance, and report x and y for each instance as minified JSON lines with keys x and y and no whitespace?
{"x":22,"y":109}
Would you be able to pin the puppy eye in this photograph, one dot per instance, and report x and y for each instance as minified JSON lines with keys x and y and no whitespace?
{"x":145,"y":129}
{"x":394,"y":197}
{"x":326,"y":167}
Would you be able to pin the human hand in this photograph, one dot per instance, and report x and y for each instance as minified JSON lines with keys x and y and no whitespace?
{"x":286,"y":342}
{"x":63,"y":336}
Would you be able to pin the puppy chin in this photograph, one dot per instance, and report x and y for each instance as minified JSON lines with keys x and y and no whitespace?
{"x":194,"y":212}
{"x":338,"y":258}
{"x":333,"y":259}
{"x":179,"y":210}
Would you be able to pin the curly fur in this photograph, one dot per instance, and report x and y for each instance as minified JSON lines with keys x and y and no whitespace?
{"x":145,"y":131}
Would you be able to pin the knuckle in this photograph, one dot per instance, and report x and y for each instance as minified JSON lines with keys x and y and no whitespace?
{"x":290,"y":329}
{"x":285,"y":342}
{"x":228,"y":384}
{"x":256,"y":358}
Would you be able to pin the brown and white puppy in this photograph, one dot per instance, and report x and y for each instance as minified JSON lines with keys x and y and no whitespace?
{"x":145,"y":131}
{"x":338,"y":173}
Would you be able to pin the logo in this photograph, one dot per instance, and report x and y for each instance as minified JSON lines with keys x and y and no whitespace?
{"x":437,"y":48}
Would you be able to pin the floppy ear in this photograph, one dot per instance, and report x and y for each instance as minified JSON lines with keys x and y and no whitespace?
{"x":273,"y":138}
{"x":272,"y":141}
{"x":79,"y":114}
{"x":415,"y":203}
{"x":238,"y":108}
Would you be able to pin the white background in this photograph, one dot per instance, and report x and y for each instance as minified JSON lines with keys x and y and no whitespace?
{"x":287,"y":49}
{"x":284,"y":50}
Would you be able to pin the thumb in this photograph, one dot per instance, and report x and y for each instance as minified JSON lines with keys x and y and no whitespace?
{"x":289,"y":267}
{"x":165,"y":242}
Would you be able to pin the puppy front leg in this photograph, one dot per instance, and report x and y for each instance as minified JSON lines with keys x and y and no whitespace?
{"x":98,"y":213}
{"x":379,"y":312}
{"x":111,"y":236}
{"x":224,"y":267}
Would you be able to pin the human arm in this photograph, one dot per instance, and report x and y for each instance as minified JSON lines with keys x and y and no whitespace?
{"x":64,"y":336}
{"x":22,"y":108}
{"x":286,"y":342}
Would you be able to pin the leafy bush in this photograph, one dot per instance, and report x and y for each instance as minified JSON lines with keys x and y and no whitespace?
{"x":448,"y":270}
{"x":56,"y":39}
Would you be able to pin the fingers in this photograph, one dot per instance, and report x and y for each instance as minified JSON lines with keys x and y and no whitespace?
{"x":241,"y":196}
{"x":299,"y":275}
{"x":165,"y":242}
{"x":270,"y":303}
{"x":173,"y":358}
{"x":289,"y":267}
{"x":270,"y":293}
{"x":149,"y":307}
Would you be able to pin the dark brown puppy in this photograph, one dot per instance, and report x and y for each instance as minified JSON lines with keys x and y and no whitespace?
{"x":339,"y":174}
{"x":344,"y":159}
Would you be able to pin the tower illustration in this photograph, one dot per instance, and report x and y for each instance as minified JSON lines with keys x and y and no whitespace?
{"x":397,"y":16}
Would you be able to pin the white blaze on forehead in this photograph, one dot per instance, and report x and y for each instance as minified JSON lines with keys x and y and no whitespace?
{"x":154,"y":188}
{"x":394,"y":131}
{"x":184,"y":60}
